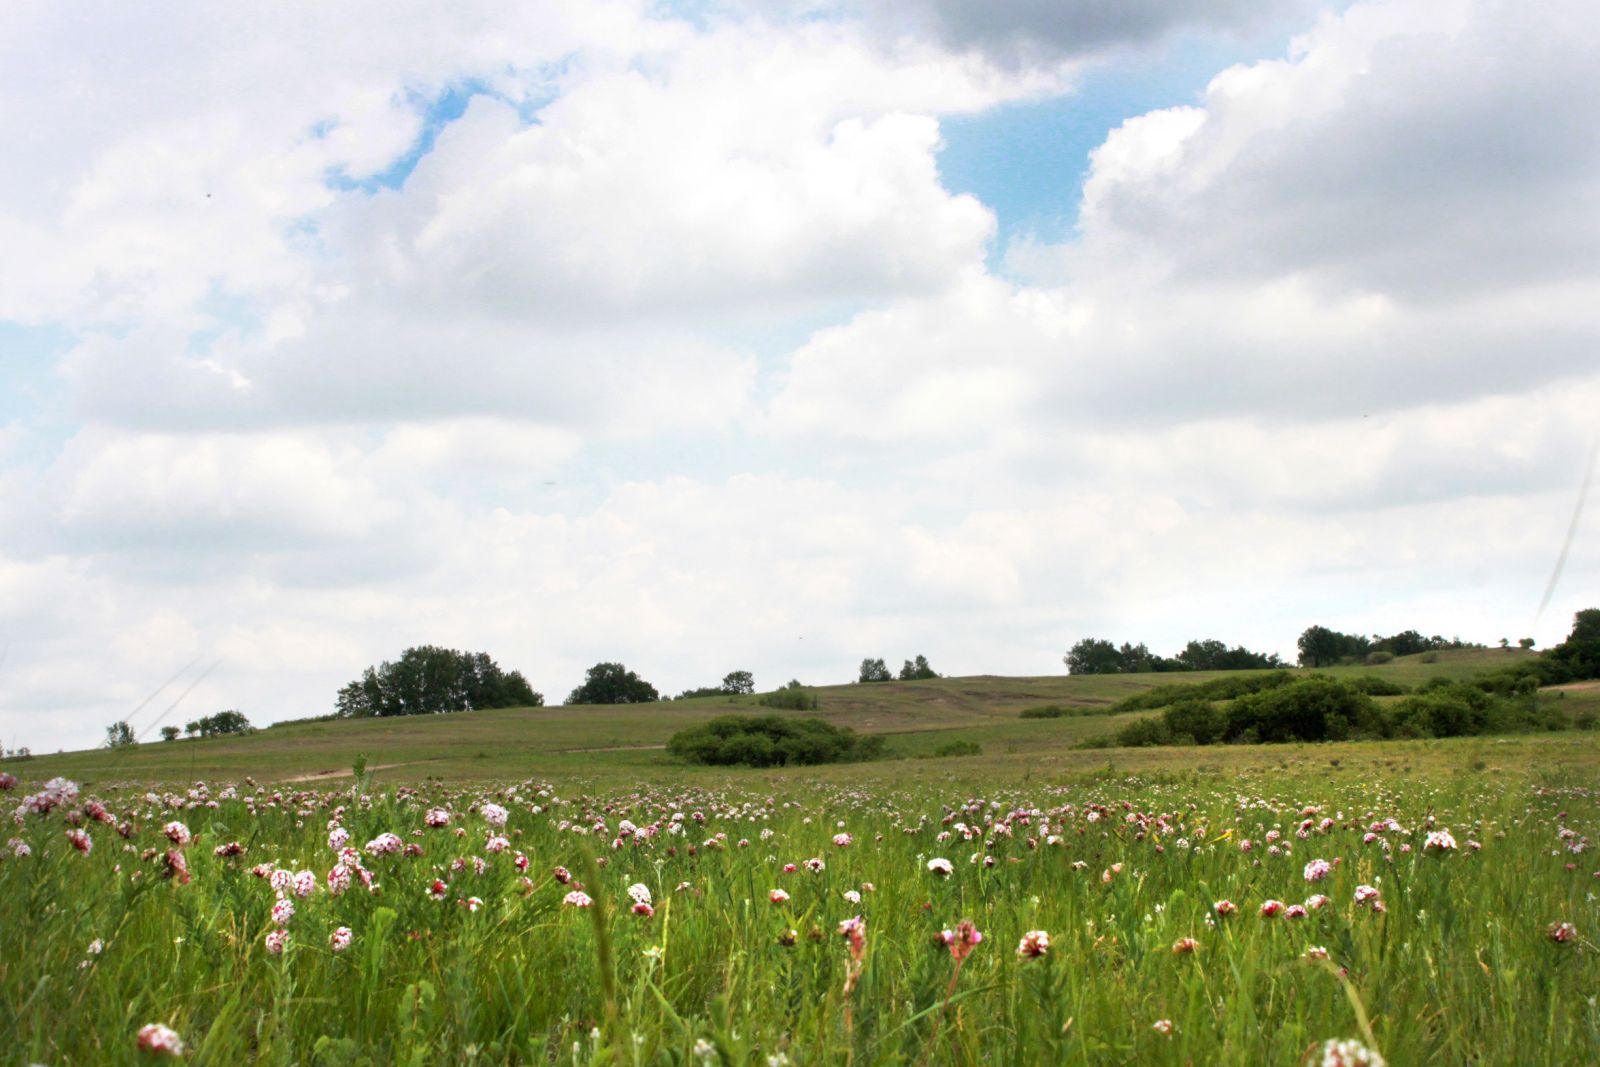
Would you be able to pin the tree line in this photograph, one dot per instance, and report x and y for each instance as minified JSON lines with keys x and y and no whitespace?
{"x":1098,"y":656}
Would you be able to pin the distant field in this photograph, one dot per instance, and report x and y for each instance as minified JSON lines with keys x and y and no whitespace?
{"x":918,"y":718}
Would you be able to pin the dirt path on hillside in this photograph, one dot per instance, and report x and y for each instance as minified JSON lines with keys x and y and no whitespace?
{"x":323,"y":776}
{"x":1577,"y":687}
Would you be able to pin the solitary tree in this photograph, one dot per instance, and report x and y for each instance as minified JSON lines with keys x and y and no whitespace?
{"x":612,"y":683}
{"x":917,"y":670}
{"x":738,"y":682}
{"x":874,"y":670}
{"x":170,"y":733}
{"x":119,"y":735}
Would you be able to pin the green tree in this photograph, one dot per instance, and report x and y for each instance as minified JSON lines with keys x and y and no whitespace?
{"x":1322,"y":647}
{"x":119,"y":735}
{"x":738,"y":682}
{"x":170,"y":733}
{"x":1093,"y":656}
{"x":612,"y":683}
{"x":917,"y":670}
{"x":874,"y":670}
{"x":428,"y":679}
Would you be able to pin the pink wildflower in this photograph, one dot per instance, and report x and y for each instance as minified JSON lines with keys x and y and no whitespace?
{"x":1271,"y":908}
{"x":160,"y":1040}
{"x":1034,"y":943}
{"x":577,"y":899}
{"x":340,"y":939}
{"x":1184,"y":945}
{"x":1317,"y":870}
{"x":778,"y":896}
{"x":80,"y":840}
{"x":276,"y":941}
{"x":1562,"y":933}
{"x":962,"y":939}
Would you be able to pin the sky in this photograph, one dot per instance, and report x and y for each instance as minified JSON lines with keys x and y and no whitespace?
{"x":771,"y":336}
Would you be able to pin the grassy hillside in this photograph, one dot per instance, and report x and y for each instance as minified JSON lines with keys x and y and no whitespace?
{"x":918,"y":717}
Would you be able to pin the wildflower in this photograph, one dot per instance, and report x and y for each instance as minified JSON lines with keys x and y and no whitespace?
{"x":384,"y":844}
{"x":1317,"y":870}
{"x":177,"y":833}
{"x":282,"y":911}
{"x":562,"y":875}
{"x":778,"y":896}
{"x":1184,"y":945}
{"x":788,"y":938}
{"x":232,"y":848}
{"x":160,"y":1040}
{"x":80,"y":840}
{"x":472,"y":903}
{"x":438,"y":890}
{"x":1349,"y":1053}
{"x":494,"y":815}
{"x":1225,"y":907}
{"x":1295,"y":911}
{"x":639,"y":893}
{"x":815,"y":865}
{"x":578,"y":899}
{"x":338,"y":879}
{"x":941,"y":866}
{"x":643,"y":909}
{"x":842,"y":840}
{"x":1271,"y":908}
{"x":1316,"y":952}
{"x":8,"y":782}
{"x":1366,"y":894}
{"x":96,"y":947}
{"x":338,"y":837}
{"x":962,"y":939}
{"x":1164,"y":1027}
{"x":436,"y":818}
{"x":1034,"y":943}
{"x":176,"y":867}
{"x":852,"y":897}
{"x":340,"y":939}
{"x":276,"y":941}
{"x":1439,"y":841}
{"x":304,"y":884}
{"x":1561,"y":933}
{"x":789,"y":868}
{"x":1317,"y":902}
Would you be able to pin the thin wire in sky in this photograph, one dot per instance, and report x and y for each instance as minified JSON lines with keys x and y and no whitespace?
{"x":1572,"y":533}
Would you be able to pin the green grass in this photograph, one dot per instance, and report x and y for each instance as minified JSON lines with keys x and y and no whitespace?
{"x":918,"y":717}
{"x":1459,"y":968}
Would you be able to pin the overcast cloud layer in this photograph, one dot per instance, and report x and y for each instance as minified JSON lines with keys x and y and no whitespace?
{"x":587,"y":331}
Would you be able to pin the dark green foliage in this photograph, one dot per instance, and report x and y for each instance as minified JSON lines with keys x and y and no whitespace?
{"x":1215,"y":689}
{"x":1195,"y":722}
{"x":612,"y":683}
{"x":874,"y":670}
{"x":1322,"y":647}
{"x":703,"y":691}
{"x":1317,"y":708}
{"x":429,"y":679}
{"x":221,"y":724}
{"x":1047,"y":711}
{"x":1095,"y":656}
{"x":738,"y":682}
{"x":1374,"y":686}
{"x":119,"y":735}
{"x":1211,"y":655}
{"x":771,"y":741}
{"x":1060,"y":711}
{"x":917,"y":670}
{"x":1454,"y":709}
{"x":959,"y":748}
{"x":170,"y":733}
{"x":1578,"y":657}
{"x":792,"y":698}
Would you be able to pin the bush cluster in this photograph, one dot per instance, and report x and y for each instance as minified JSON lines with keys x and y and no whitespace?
{"x":791,"y":699}
{"x":772,"y":741}
{"x":1320,"y":708}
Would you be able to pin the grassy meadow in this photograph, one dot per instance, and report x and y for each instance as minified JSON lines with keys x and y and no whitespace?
{"x":543,"y":886}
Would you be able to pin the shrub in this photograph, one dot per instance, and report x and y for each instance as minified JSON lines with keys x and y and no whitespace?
{"x":1047,"y":711}
{"x":1317,"y":708}
{"x":959,"y":748}
{"x":1374,"y":686}
{"x":1380,"y":656}
{"x":792,"y":699}
{"x":771,"y":741}
{"x":1143,"y":733}
{"x":1451,"y":710}
{"x":1216,"y":689}
{"x":1195,"y":721}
